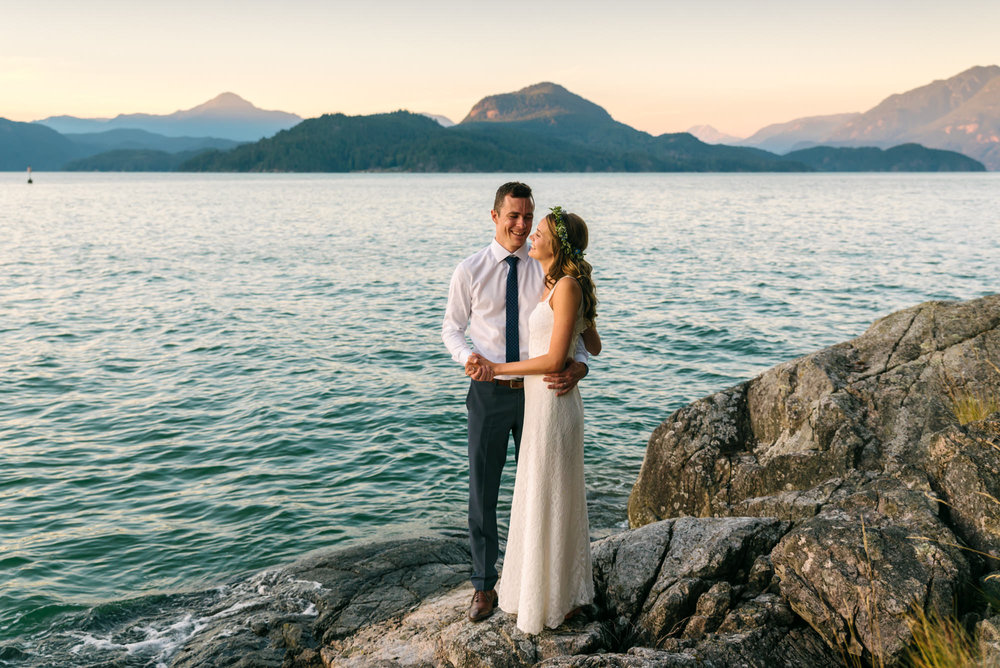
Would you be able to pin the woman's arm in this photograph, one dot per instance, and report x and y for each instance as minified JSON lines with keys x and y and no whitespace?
{"x":592,"y":340}
{"x":565,"y":304}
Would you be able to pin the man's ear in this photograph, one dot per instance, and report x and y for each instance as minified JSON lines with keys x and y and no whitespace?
{"x":495,"y":216}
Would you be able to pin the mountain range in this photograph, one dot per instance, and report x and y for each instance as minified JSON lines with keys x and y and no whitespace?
{"x":543,"y":127}
{"x":961,"y":113}
{"x":540,"y":127}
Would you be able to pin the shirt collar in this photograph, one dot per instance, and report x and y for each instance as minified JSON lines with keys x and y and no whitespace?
{"x":500,"y":253}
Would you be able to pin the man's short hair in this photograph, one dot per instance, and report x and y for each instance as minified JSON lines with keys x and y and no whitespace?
{"x":514,"y":189}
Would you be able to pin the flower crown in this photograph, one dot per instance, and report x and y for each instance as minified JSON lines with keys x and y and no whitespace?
{"x":557,"y":216}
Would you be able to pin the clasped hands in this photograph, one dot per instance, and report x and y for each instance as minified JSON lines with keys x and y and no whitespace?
{"x":479,"y":368}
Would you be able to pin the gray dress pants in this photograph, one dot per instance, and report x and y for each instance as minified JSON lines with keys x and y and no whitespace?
{"x":495,"y":412}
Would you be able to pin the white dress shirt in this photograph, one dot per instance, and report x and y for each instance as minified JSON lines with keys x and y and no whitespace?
{"x":477,"y":299}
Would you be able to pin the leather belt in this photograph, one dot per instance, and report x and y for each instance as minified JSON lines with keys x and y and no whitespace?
{"x":512,"y":383}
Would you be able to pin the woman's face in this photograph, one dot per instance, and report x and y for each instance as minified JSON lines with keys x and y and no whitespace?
{"x":541,"y":241}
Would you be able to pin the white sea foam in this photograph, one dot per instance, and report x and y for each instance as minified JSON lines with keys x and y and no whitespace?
{"x":158,"y":644}
{"x":94,"y":642}
{"x":235,"y":608}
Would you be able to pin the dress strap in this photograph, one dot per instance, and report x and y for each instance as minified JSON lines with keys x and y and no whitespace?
{"x":546,"y":300}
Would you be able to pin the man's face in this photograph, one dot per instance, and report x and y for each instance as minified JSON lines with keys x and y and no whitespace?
{"x":513,"y":222}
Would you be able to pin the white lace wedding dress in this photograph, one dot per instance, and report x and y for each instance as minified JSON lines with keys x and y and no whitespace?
{"x":546,"y":568}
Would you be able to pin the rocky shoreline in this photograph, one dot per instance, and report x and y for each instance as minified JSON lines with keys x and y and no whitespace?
{"x":801,"y":518}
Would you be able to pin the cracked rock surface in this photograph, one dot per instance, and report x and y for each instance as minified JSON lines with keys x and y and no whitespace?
{"x":859,"y":446}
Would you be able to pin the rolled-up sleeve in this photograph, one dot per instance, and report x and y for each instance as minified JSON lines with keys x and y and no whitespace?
{"x":456,"y":315}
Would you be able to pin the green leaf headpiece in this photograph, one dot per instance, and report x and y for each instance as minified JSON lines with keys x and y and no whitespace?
{"x":557,"y":216}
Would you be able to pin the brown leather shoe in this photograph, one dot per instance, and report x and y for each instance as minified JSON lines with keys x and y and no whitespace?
{"x":483,"y":605}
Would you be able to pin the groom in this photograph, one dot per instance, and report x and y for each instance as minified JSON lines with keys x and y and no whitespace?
{"x":491,"y":295}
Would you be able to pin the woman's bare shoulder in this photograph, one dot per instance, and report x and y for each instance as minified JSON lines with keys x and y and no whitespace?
{"x":566,"y":292}
{"x":569,"y":283}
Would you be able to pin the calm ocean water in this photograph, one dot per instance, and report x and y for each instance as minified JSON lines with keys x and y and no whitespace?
{"x":208,"y":375}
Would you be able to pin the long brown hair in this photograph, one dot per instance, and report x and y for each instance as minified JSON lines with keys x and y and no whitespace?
{"x":568,"y":257}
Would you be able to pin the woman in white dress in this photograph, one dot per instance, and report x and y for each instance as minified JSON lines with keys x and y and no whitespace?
{"x":547,"y":575}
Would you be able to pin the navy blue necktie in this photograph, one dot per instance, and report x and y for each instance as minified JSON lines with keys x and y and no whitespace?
{"x":513,"y":341}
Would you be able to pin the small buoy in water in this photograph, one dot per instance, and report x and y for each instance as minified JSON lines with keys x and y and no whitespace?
{"x":29,"y":175}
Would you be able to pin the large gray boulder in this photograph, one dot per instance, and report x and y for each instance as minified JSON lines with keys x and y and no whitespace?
{"x":872,"y":433}
{"x":655,"y":578}
{"x":777,"y":443}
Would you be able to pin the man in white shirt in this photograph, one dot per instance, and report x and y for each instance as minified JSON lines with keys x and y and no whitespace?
{"x":481,"y":288}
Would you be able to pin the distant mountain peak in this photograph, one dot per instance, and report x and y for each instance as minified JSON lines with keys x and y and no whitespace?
{"x":543,"y":88}
{"x":225,"y":116}
{"x":443,"y":121}
{"x":541,"y":101}
{"x":986,"y":71}
{"x":230,"y":104}
{"x":711,"y":135}
{"x":225,"y":101}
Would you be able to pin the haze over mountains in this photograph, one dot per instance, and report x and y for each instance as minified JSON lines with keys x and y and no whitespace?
{"x":226,"y":116}
{"x":540,"y":127}
{"x":711,"y":135}
{"x":796,"y":134}
{"x":961,"y":114}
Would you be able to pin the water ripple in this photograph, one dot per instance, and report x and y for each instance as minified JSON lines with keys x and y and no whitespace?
{"x":209,"y":374}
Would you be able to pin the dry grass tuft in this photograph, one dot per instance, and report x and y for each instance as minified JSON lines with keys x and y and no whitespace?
{"x":972,"y":405}
{"x":940,"y":642}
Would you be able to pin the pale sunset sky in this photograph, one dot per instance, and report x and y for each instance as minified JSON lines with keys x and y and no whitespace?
{"x":658,"y":66}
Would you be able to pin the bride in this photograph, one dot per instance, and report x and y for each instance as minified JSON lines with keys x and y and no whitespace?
{"x":547,"y":575}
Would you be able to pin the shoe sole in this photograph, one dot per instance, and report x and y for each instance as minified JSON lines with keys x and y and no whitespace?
{"x":483,"y":616}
